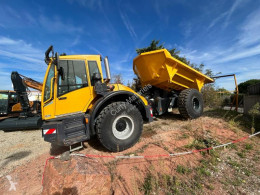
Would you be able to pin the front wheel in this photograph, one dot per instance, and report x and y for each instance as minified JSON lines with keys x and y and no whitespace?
{"x":119,"y":126}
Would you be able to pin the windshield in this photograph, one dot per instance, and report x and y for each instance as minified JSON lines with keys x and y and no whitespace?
{"x":3,"y":103}
{"x":47,"y":88}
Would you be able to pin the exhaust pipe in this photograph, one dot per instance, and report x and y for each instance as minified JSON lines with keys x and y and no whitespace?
{"x":107,"y":69}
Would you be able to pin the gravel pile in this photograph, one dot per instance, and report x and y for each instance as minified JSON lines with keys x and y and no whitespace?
{"x":19,"y":147}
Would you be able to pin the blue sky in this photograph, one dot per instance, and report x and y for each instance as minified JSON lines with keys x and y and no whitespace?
{"x":223,"y":34}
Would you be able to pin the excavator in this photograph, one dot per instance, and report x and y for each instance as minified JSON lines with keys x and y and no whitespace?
{"x":17,"y":112}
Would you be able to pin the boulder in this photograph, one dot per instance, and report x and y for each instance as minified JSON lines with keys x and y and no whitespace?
{"x":79,"y":175}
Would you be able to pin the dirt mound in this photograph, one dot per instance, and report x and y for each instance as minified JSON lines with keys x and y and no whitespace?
{"x":230,"y":170}
{"x":76,"y":176}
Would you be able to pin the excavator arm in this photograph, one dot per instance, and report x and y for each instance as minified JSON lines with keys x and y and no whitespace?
{"x":20,"y":85}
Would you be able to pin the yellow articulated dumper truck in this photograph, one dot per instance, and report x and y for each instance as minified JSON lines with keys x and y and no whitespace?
{"x":79,"y":103}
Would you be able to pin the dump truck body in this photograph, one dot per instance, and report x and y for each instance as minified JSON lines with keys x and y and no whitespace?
{"x":174,"y":84}
{"x":158,"y":68}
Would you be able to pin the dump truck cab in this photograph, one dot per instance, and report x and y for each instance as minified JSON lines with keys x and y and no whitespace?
{"x":77,"y":103}
{"x":62,"y":96}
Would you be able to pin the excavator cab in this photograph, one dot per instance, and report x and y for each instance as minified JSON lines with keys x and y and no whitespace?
{"x":7,"y":100}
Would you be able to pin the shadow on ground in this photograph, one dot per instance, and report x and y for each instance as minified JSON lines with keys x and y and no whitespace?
{"x":171,"y":116}
{"x":65,"y":191}
{"x":16,"y":156}
{"x":58,"y":150}
{"x":95,"y":144}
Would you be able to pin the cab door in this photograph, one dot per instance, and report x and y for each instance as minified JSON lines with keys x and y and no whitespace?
{"x":73,"y":90}
{"x":48,"y":100}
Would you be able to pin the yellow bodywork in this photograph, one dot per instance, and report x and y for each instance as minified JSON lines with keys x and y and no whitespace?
{"x":120,"y":87}
{"x":77,"y":101}
{"x":158,"y":68}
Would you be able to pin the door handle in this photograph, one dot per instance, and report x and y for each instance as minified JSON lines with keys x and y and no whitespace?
{"x":62,"y":98}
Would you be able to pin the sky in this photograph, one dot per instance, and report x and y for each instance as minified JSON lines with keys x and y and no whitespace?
{"x":223,"y":34}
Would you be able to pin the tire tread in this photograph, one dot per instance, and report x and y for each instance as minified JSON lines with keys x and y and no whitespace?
{"x":102,"y":116}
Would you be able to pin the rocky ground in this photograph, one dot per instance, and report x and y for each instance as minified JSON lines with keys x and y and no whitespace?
{"x":231,"y":170}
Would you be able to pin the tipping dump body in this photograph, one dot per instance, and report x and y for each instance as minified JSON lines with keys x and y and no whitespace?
{"x":160,"y":69}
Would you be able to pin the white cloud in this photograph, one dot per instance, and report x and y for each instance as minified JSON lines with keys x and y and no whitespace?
{"x":12,"y":49}
{"x":18,"y":55}
{"x":128,"y":25}
{"x":226,"y":16}
{"x":7,"y":41}
{"x":240,"y":54}
{"x":241,"y":57}
{"x":161,"y":9}
{"x":233,"y":8}
{"x":76,"y":41}
{"x":250,"y":30}
{"x":91,"y":4}
{"x":56,"y":25}
{"x":216,"y":20}
{"x":95,"y":50}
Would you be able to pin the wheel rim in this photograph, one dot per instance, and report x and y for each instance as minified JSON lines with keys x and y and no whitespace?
{"x":123,"y":127}
{"x":196,"y":103}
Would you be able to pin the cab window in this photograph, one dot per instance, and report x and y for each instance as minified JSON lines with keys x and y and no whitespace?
{"x":93,"y":68}
{"x":74,"y":76}
{"x":13,"y":98}
{"x":47,"y":88}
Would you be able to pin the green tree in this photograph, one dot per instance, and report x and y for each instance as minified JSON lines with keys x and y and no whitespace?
{"x":242,"y":87}
{"x":153,"y":46}
{"x":117,"y":79}
{"x":223,"y":90}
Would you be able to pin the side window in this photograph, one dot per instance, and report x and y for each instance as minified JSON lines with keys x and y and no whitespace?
{"x":74,"y":76}
{"x":93,"y":68}
{"x":47,"y":89}
{"x":13,"y":98}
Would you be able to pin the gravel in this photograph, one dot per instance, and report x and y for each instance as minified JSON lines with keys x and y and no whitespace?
{"x":19,"y":147}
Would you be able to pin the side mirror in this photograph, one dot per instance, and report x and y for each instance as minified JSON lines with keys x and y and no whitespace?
{"x":61,"y":73}
{"x":47,"y":54}
{"x":96,"y":77}
{"x":56,"y":59}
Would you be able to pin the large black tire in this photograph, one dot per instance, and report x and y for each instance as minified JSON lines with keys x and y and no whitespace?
{"x":119,"y":126}
{"x":190,"y":103}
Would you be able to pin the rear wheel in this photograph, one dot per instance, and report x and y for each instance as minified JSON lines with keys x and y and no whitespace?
{"x":190,"y":103}
{"x":119,"y":126}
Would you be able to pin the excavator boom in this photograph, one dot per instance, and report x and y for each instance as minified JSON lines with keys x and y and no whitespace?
{"x":31,"y":83}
